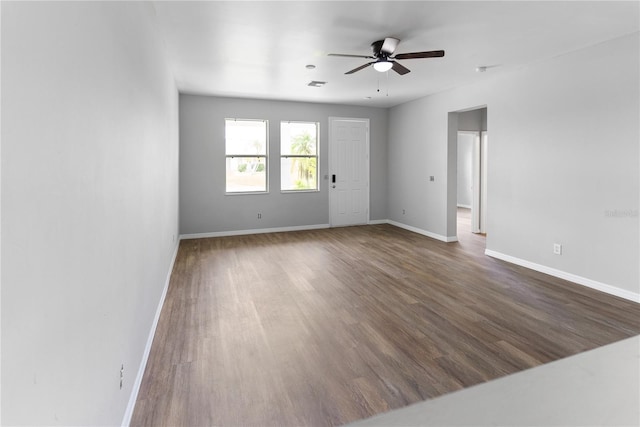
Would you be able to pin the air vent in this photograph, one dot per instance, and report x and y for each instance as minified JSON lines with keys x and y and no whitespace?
{"x":315,"y":83}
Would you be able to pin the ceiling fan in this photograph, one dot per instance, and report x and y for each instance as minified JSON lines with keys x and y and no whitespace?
{"x":384,"y":60}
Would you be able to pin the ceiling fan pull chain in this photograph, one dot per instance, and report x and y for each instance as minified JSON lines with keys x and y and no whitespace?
{"x":387,"y":73}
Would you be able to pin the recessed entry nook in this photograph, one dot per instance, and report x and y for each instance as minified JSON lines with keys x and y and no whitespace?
{"x":468,"y":169}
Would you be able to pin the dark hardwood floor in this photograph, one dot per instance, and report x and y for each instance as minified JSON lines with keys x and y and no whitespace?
{"x":329,"y":326}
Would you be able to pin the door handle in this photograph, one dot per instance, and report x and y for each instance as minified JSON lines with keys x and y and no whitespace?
{"x":333,"y":179}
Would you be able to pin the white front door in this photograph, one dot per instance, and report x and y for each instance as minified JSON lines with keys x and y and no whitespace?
{"x":348,"y":171}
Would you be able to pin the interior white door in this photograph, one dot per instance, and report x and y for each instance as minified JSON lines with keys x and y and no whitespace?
{"x":348,"y":171}
{"x":472,"y":173}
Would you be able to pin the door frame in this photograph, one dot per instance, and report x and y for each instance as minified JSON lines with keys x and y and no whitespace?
{"x":484,"y":173}
{"x":367,"y":161}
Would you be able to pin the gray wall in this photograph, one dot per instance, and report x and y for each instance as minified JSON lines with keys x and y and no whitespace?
{"x":563,"y":159}
{"x":89,"y":205}
{"x":204,"y":207}
{"x":473,"y":120}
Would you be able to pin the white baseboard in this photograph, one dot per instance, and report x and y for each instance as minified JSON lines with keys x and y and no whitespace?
{"x":613,"y":290}
{"x":314,"y":227}
{"x":447,"y":239}
{"x":253,"y":231}
{"x":378,"y":221}
{"x":147,"y":350}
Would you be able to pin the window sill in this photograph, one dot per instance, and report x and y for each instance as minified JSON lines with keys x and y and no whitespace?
{"x":245,"y":193}
{"x":298,"y":191}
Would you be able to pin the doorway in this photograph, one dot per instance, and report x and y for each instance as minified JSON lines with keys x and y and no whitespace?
{"x":348,"y":171}
{"x":468,"y":185}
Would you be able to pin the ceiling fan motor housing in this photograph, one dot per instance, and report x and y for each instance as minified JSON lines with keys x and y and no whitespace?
{"x":377,"y":48}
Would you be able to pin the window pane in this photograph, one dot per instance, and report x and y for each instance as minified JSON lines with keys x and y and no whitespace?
{"x":246,"y":174}
{"x":298,"y":173}
{"x":298,"y":138}
{"x":247,"y":137}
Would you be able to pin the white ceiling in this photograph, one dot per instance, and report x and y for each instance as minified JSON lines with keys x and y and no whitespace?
{"x":260,"y":49}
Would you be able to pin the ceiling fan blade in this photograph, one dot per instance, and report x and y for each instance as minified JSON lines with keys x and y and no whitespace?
{"x":400,"y":69}
{"x":346,"y":55}
{"x":417,"y":55}
{"x":389,"y":45}
{"x":359,"y":68}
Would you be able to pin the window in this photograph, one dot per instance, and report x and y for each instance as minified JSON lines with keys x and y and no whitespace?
{"x":299,"y":156}
{"x":246,"y":156}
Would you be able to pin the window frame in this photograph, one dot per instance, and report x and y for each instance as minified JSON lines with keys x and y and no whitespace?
{"x":259,"y":156}
{"x":302,"y":156}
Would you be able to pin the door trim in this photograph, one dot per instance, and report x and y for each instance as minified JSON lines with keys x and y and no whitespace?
{"x":484,"y":173}
{"x":367,"y":162}
{"x":477,"y":189}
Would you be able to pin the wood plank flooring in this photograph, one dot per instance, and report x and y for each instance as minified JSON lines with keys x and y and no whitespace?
{"x":325,"y":327}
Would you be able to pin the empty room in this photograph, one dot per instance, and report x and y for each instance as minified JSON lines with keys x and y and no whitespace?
{"x":320,"y":213}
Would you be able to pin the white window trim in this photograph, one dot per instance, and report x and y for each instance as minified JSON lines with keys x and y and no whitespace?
{"x":265,"y":156}
{"x":317,"y":157}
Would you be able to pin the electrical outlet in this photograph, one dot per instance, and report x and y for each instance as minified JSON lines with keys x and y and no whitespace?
{"x":259,"y":215}
{"x":557,"y":248}
{"x":121,"y":375}
{"x":403,"y":212}
{"x":432,"y":178}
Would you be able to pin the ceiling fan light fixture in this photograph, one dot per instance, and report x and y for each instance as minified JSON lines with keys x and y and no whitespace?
{"x":383,"y":66}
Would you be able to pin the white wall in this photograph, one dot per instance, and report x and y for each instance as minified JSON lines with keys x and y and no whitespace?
{"x":89,"y":205}
{"x":564,"y":152}
{"x":204,"y":207}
